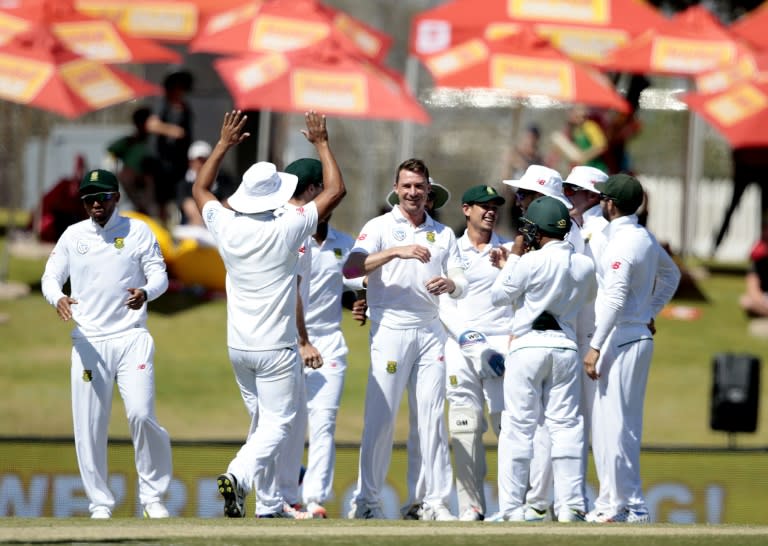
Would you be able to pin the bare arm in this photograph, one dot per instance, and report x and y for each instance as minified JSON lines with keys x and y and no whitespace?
{"x":333,"y":183}
{"x":309,"y":354}
{"x":231,"y":135}
{"x":359,"y":263}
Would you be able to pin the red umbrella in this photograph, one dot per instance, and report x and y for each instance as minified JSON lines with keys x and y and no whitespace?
{"x":752,"y":27}
{"x":93,"y":38}
{"x":523,"y":64}
{"x":691,"y":42}
{"x":586,"y":30}
{"x":326,"y":78}
{"x":740,"y":113}
{"x":284,"y":25}
{"x":747,"y":66}
{"x":38,"y":70}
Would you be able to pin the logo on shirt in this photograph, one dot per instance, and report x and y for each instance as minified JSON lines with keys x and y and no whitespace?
{"x":616,"y":265}
{"x":391,"y":366}
{"x":453,"y":380}
{"x":302,"y":250}
{"x":431,"y":236}
{"x":398,"y":234}
{"x":210,"y":216}
{"x":300,"y":210}
{"x":156,"y":250}
{"x":87,"y":376}
{"x":119,"y":242}
{"x":338,"y":253}
{"x":82,"y":247}
{"x":142,"y":366}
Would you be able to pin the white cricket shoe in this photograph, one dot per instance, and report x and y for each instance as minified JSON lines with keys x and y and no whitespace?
{"x":101,"y":512}
{"x":439,"y":512}
{"x":473,"y":513}
{"x":317,"y":510}
{"x":571,"y":515}
{"x":535,"y":514}
{"x":155,"y":510}
{"x":599,"y":516}
{"x":518,"y":514}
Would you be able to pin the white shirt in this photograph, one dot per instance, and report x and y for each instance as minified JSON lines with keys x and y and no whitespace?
{"x":637,"y":278}
{"x":475,"y":311}
{"x":323,"y":314}
{"x":593,"y":243}
{"x":260,"y":253}
{"x":553,"y":279}
{"x":397,"y":296}
{"x":102,"y":263}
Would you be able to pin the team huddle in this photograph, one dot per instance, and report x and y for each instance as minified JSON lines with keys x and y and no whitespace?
{"x":551,"y":333}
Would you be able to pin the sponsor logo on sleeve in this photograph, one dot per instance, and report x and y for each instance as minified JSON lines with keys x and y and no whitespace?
{"x":615,"y":265}
{"x":156,"y":250}
{"x":300,"y":210}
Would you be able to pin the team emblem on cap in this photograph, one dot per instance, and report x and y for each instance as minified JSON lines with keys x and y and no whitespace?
{"x":490,"y":191}
{"x":561,"y":223}
{"x":119,"y":242}
{"x":95,"y":176}
{"x":87,"y":376}
{"x":431,"y":236}
{"x":391,"y":366}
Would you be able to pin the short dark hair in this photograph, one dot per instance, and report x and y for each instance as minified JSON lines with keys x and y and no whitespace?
{"x":140,"y":116}
{"x":413,"y":165}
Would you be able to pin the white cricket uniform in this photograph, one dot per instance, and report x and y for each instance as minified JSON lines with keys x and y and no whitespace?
{"x":542,"y":370}
{"x":467,"y":393}
{"x":407,"y":350}
{"x":588,"y":240}
{"x":111,"y":343}
{"x":637,"y":278}
{"x":325,"y":385}
{"x":260,"y":255}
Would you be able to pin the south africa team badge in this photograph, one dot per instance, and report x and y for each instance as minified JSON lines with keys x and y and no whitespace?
{"x":337,"y":252}
{"x":391,"y":366}
{"x":87,"y":376}
{"x":119,"y":242}
{"x":431,"y":236}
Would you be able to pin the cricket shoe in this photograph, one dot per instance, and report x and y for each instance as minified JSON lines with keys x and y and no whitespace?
{"x":631,"y":515}
{"x":572,"y":515}
{"x":473,"y":513}
{"x":363,"y":511}
{"x":534,"y":514}
{"x":439,"y":512}
{"x":518,"y":514}
{"x":599,"y":516}
{"x":155,"y":510}
{"x":101,"y":512}
{"x":317,"y":510}
{"x":234,"y":498}
{"x":413,"y":511}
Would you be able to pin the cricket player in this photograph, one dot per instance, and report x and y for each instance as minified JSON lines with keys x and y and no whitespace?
{"x":548,"y":284}
{"x":115,"y":267}
{"x":479,"y":332}
{"x":410,"y":260}
{"x":637,"y":278}
{"x":260,"y":253}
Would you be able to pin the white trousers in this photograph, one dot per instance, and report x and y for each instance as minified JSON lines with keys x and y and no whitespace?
{"x":268,"y":384}
{"x":617,"y":418}
{"x":324,"y":388}
{"x":401,"y":359}
{"x":541,"y":376}
{"x":96,"y":365}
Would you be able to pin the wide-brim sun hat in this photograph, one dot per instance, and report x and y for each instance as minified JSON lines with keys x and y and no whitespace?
{"x":544,"y":180}
{"x":263,"y":188}
{"x":442,"y":196}
{"x":586,"y":177}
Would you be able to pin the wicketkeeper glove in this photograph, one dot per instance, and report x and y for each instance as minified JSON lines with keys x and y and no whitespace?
{"x":486,"y":361}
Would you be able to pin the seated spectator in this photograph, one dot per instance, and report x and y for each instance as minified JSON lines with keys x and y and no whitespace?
{"x":61,"y":206}
{"x":755,"y":300}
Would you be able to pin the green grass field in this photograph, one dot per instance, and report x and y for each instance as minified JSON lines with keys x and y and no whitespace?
{"x":197,"y":397}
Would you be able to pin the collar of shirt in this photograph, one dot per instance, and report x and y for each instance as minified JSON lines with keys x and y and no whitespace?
{"x":620,"y":223}
{"x":465,"y":244}
{"x":398,"y":215}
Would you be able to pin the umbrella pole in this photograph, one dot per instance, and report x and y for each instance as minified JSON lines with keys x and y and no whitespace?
{"x":406,"y":127}
{"x":262,"y":143}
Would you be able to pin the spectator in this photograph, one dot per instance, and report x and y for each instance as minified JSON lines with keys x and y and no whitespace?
{"x":525,"y":153}
{"x":223,"y":186}
{"x":60,"y":207}
{"x":755,"y":300}
{"x":582,"y":141}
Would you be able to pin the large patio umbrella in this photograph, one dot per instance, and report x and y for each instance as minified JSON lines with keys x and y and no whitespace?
{"x":93,"y":38}
{"x":285,"y":25}
{"x":584,"y":30}
{"x":523,"y":64}
{"x":745,"y":67}
{"x":38,"y":70}
{"x":326,"y":78}
{"x":753,"y":27}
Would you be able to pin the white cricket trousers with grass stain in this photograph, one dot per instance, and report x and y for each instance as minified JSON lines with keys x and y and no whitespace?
{"x":542,"y":375}
{"x":268,"y":382}
{"x":617,"y":417}
{"x":414,"y":359}
{"x":96,"y":366}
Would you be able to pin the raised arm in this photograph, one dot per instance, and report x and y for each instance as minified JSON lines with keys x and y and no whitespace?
{"x":333,"y":183}
{"x":231,"y":135}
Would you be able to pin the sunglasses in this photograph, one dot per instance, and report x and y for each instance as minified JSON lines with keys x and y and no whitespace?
{"x":102,"y":197}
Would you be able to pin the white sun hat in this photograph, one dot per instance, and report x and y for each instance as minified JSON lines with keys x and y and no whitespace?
{"x":263,"y":188}
{"x":586,"y":178}
{"x":199,"y":149}
{"x":542,"y":180}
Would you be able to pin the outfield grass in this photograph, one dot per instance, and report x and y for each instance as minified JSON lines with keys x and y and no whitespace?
{"x":197,"y":397}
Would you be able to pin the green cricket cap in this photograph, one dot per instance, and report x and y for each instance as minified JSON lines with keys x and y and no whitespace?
{"x":550,"y":215}
{"x":309,"y":172}
{"x":98,"y":180}
{"x":625,"y":190}
{"x":481,"y":194}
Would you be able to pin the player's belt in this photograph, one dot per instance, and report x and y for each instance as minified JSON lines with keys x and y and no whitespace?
{"x":545,"y":321}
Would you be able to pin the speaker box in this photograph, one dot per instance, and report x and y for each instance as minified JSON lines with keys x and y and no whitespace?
{"x":735,"y":392}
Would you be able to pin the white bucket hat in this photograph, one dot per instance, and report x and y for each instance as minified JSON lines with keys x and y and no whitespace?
{"x":586,"y":178}
{"x":263,"y":188}
{"x":442,"y":195}
{"x":542,"y":180}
